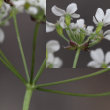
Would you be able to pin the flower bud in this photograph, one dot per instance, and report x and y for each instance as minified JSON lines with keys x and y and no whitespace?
{"x":68,"y":20}
{"x":99,"y":28}
{"x":59,"y":29}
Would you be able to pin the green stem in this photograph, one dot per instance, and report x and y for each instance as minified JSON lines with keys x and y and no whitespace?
{"x":27,"y":98}
{"x":20,"y":46}
{"x":34,"y":51}
{"x":76,"y":57}
{"x":74,"y":94}
{"x":74,"y":79}
{"x":42,"y":68}
{"x":12,"y":69}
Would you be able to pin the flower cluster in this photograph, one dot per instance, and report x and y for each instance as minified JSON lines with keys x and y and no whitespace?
{"x":4,"y":12}
{"x":79,"y":34}
{"x":35,"y":8}
{"x":52,"y":46}
{"x":99,"y":59}
{"x":30,"y":6}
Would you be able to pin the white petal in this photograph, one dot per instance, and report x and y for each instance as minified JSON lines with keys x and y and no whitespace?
{"x":94,"y":64}
{"x":50,"y":59}
{"x":107,"y":16}
{"x":107,"y":37}
{"x":75,"y":15}
{"x":72,"y":25}
{"x":2,"y":36}
{"x":62,"y":22}
{"x":94,"y":20}
{"x":32,"y":10}
{"x":57,"y":11}
{"x":72,"y":8}
{"x":107,"y":32}
{"x":52,"y":46}
{"x":80,"y":23}
{"x":57,"y":62}
{"x":97,"y":55}
{"x":99,"y":15}
{"x":19,"y":5}
{"x":107,"y":58}
{"x":50,"y":27}
{"x":90,"y":29}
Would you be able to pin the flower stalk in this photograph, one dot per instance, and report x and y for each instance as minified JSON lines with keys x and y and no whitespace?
{"x":74,"y":79}
{"x":73,"y":94}
{"x":76,"y":58}
{"x":20,"y":45}
{"x":34,"y":51}
{"x":27,"y":97}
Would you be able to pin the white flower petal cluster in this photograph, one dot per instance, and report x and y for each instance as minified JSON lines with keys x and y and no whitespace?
{"x":100,"y":17}
{"x":71,"y":9}
{"x":4,"y":12}
{"x":51,"y":26}
{"x":53,"y":46}
{"x":80,"y":24}
{"x":33,"y":5}
{"x":99,"y":60}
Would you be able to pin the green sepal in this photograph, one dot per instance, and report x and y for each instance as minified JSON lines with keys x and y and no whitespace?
{"x":99,"y":27}
{"x":68,"y":20}
{"x":59,"y":29}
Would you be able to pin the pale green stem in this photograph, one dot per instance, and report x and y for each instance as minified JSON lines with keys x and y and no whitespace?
{"x":20,"y":46}
{"x":34,"y":51}
{"x":27,"y":98}
{"x":74,"y":79}
{"x":39,"y":73}
{"x":76,"y":58}
{"x":12,"y":69}
{"x":74,"y":94}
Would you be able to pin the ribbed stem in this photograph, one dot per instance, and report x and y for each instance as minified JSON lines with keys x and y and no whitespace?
{"x":34,"y":51}
{"x":27,"y":98}
{"x":76,"y":58}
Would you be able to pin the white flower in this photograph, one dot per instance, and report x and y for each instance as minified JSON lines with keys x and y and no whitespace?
{"x":19,"y":4}
{"x":33,"y":8}
{"x":99,"y":59}
{"x":80,"y":24}
{"x":53,"y":62}
{"x":107,"y":34}
{"x":2,"y":36}
{"x":51,"y":27}
{"x":71,"y":9}
{"x":53,"y":46}
{"x":89,"y":30}
{"x":42,"y":4}
{"x":4,"y":11}
{"x":100,"y":17}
